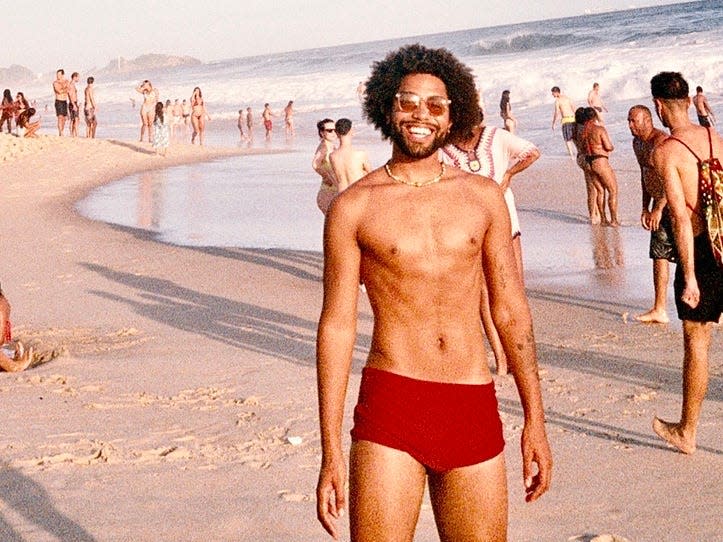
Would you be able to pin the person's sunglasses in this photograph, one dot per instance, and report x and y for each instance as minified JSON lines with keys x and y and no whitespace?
{"x":329,"y":130}
{"x":409,"y":102}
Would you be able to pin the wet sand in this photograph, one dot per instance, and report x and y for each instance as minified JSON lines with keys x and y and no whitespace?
{"x":179,"y":403}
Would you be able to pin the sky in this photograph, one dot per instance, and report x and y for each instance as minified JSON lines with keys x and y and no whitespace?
{"x":84,"y":34}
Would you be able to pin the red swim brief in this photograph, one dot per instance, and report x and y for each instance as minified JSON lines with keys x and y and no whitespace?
{"x":442,"y":425}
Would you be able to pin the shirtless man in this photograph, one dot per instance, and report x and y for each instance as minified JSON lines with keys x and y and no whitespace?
{"x":349,"y":164}
{"x":595,"y":101}
{"x":250,"y":123}
{"x":656,"y":219}
{"x":698,"y":281}
{"x":705,"y":113}
{"x":419,"y":234}
{"x":90,"y":108}
{"x":598,"y":148}
{"x":266,"y":115}
{"x":289,"y":119}
{"x":60,"y":89}
{"x":73,"y":107}
{"x":565,"y":109}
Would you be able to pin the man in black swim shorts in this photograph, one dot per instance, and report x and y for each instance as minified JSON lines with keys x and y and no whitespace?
{"x":60,"y":90}
{"x":698,"y":278}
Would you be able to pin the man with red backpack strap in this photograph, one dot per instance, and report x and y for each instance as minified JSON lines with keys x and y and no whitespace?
{"x":691,"y":174}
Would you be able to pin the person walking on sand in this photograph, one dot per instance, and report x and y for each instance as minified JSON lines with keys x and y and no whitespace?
{"x":148,"y":108}
{"x":698,"y":283}
{"x":498,"y":155}
{"x":90,"y":108}
{"x":60,"y":90}
{"x":656,"y":219}
{"x":350,"y":164}
{"x":595,"y":101}
{"x":73,"y":106}
{"x":322,"y":164}
{"x":418,"y":234}
{"x":595,"y":190}
{"x":565,"y":109}
{"x":598,"y":147}
{"x":705,"y":113}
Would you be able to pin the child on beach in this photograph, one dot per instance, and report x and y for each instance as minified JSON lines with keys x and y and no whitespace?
{"x":12,"y":358}
{"x":160,"y":131}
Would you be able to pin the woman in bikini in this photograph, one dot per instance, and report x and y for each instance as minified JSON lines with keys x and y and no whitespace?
{"x":199,"y":116}
{"x":597,"y":150}
{"x":148,"y":108}
{"x":8,"y":110}
{"x":595,"y":190}
{"x":506,"y":112}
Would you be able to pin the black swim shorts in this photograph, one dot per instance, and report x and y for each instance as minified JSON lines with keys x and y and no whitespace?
{"x":73,"y":111}
{"x":61,"y":108}
{"x":662,"y":245}
{"x":710,"y":283}
{"x":568,"y":130}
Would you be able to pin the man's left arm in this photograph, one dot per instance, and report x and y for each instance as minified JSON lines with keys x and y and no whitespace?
{"x":513,"y":320}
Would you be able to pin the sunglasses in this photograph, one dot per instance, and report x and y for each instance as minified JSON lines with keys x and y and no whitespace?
{"x":409,"y":102}
{"x":329,"y":130}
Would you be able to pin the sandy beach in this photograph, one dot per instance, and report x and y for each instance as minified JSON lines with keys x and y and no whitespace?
{"x":175,"y":395}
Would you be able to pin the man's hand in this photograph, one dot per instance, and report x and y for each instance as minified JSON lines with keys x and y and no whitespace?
{"x":656,"y":216}
{"x":536,"y":451}
{"x":691,"y":293}
{"x":331,"y":494}
{"x":645,"y":219}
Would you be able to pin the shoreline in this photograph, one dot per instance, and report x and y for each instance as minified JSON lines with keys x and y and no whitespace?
{"x":184,"y":373}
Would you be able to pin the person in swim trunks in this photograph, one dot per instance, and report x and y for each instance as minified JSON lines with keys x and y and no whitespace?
{"x":594,"y":100}
{"x":703,"y":110}
{"x":421,"y":236}
{"x":60,"y":90}
{"x":565,"y":109}
{"x":89,"y":108}
{"x":655,"y":215}
{"x":698,"y":281}
{"x":266,"y":115}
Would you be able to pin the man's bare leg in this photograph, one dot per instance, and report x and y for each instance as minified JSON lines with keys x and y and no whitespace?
{"x":696,"y":339}
{"x":658,"y":314}
{"x":386,"y":488}
{"x":470,"y":503}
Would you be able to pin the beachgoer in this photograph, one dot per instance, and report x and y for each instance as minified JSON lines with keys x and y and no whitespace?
{"x":595,"y":101}
{"x":565,"y":109}
{"x":322,"y":165}
{"x":350,"y":164}
{"x":498,"y":155}
{"x":360,"y":89}
{"x":90,"y":108}
{"x":186,"y":108}
{"x":73,"y":107}
{"x":595,"y":190}
{"x":597,"y":151}
{"x":250,"y":123}
{"x":161,"y":137}
{"x":655,"y":215}
{"x":418,"y":234}
{"x":705,"y":113}
{"x":240,"y":123}
{"x":266,"y":115}
{"x":199,"y":116}
{"x":8,"y":110}
{"x":21,"y":357}
{"x":698,"y":283}
{"x":510,"y":122}
{"x":148,"y":108}
{"x":21,"y":104}
{"x":60,"y":90}
{"x":289,"y":119}
{"x":24,"y":126}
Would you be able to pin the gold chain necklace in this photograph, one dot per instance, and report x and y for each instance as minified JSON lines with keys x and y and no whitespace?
{"x":412,"y":183}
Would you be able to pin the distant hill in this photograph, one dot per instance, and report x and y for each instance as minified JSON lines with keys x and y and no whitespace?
{"x":15,"y":74}
{"x":149,"y":62}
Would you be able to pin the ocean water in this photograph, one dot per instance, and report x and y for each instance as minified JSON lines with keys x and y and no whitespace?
{"x":269,"y":201}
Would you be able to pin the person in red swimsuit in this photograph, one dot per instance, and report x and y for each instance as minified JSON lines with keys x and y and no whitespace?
{"x":19,"y":358}
{"x":421,"y":237}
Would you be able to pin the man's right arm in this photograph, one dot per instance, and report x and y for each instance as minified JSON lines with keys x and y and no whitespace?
{"x":334,"y":350}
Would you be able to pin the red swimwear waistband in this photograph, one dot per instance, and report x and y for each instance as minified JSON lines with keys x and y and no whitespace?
{"x":442,"y":425}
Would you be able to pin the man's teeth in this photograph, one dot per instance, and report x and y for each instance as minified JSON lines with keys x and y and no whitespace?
{"x":420,"y":131}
